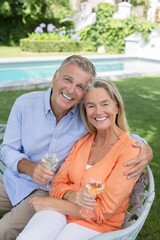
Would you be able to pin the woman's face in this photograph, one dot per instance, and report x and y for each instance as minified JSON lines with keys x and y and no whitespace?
{"x":101,"y":109}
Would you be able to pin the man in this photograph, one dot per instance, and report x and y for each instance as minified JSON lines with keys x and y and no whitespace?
{"x":40,"y":121}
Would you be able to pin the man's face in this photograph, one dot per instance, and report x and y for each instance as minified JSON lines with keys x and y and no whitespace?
{"x":68,"y":88}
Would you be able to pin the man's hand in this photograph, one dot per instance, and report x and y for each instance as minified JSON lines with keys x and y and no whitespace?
{"x":36,"y":171}
{"x":140,"y":161}
{"x":41,"y":174}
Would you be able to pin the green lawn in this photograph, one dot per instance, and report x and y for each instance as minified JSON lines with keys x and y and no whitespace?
{"x":142,"y":103}
{"x":14,"y":52}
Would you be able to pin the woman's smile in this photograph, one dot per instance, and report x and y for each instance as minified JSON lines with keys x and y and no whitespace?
{"x":101,"y":119}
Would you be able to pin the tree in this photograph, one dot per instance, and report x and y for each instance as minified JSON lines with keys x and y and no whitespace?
{"x":18,"y":17}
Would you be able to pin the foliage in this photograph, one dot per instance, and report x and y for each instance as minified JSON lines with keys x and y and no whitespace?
{"x":47,"y":37}
{"x":53,"y":40}
{"x":137,"y":2}
{"x":50,"y":32}
{"x":18,"y":17}
{"x":59,"y":45}
{"x":33,"y":9}
{"x":61,"y":9}
{"x":105,"y":10}
{"x":112,"y":32}
{"x":24,"y":8}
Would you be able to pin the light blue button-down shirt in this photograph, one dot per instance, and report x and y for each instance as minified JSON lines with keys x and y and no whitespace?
{"x":32,"y":130}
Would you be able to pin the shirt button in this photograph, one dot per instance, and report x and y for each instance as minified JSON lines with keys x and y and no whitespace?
{"x":53,"y":121}
{"x":53,"y":140}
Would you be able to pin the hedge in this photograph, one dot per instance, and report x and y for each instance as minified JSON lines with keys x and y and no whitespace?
{"x":50,"y":46}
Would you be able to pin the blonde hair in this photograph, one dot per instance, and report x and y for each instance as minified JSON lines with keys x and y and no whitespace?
{"x":113,"y":92}
{"x":82,"y":62}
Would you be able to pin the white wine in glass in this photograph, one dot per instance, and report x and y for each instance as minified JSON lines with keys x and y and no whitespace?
{"x":50,"y":161}
{"x":94,"y":187}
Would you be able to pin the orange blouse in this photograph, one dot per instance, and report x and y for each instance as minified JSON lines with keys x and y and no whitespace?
{"x":113,"y":201}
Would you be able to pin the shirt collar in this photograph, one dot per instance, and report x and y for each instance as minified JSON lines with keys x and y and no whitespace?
{"x":73,"y":110}
{"x":47,"y":96}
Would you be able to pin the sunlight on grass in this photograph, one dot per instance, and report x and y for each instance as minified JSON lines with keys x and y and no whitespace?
{"x":15,"y":52}
{"x":151,"y":133}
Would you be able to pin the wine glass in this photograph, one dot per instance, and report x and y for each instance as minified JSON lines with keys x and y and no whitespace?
{"x":50,"y":161}
{"x":94,"y":186}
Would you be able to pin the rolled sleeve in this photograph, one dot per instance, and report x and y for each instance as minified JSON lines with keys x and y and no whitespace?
{"x":12,"y":157}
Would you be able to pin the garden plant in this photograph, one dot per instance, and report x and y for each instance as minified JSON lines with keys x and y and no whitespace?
{"x":19,"y":17}
{"x":107,"y":32}
{"x":111,"y":32}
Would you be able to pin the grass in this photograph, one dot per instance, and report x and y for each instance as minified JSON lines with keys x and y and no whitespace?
{"x":15,"y":52}
{"x":142,"y":103}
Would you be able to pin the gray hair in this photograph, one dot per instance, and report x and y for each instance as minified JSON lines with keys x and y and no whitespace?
{"x":113,"y":92}
{"x":82,"y":62}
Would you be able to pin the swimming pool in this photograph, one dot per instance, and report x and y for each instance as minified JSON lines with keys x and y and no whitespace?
{"x":36,"y":71}
{"x":42,"y":69}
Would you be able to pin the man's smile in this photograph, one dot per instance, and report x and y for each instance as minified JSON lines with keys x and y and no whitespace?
{"x":66,"y":97}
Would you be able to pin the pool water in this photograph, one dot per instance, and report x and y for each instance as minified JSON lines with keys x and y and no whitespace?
{"x":38,"y":70}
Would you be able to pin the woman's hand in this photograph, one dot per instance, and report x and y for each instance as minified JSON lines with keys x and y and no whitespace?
{"x":84,"y":199}
{"x":140,"y":162}
{"x":40,"y":203}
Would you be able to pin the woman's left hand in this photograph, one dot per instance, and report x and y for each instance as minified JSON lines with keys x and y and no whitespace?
{"x":84,"y":199}
{"x":39,"y":203}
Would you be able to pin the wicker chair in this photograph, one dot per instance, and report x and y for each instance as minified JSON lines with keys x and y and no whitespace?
{"x":2,"y":165}
{"x":140,"y":203}
{"x":2,"y":129}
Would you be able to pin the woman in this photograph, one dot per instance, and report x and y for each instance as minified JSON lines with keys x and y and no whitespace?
{"x":101,"y":153}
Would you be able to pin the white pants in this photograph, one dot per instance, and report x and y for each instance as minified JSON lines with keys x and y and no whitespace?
{"x":51,"y":225}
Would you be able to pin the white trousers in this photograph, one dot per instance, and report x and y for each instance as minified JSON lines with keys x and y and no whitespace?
{"x":52,"y":225}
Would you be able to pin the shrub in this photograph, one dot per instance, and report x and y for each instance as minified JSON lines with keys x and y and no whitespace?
{"x":54,"y":40}
{"x":112,"y":32}
{"x":137,"y":2}
{"x":18,"y":17}
{"x":50,"y":45}
{"x":106,"y":31}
